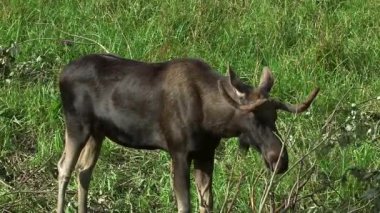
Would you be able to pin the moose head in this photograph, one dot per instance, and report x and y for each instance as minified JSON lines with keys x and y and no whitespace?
{"x":258,"y":115}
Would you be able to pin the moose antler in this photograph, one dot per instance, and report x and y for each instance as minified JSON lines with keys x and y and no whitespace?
{"x":297,"y":108}
{"x":253,"y":106}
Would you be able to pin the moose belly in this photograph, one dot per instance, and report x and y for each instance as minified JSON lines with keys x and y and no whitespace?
{"x":137,"y":137}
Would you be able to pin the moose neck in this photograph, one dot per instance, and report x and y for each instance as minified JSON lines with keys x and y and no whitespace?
{"x":220,"y":117}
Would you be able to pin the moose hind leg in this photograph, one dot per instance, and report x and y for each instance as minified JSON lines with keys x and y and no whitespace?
{"x":74,"y":142}
{"x":86,"y":164}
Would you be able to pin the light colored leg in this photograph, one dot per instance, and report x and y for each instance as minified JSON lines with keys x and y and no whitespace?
{"x":73,"y":146}
{"x":203,"y":181}
{"x":181,"y":170}
{"x":86,"y":164}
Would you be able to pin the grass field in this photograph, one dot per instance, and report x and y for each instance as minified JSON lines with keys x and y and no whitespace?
{"x":334,"y":148}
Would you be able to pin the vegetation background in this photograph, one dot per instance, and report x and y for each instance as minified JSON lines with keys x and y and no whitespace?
{"x":334,"y":148}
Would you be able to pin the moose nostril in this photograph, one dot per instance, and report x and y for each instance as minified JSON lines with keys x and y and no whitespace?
{"x":282,"y":166}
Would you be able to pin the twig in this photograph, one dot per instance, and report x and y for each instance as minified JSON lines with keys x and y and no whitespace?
{"x":296,"y":188}
{"x":253,"y":207}
{"x":228,"y":185}
{"x":308,"y":172}
{"x":237,"y":192}
{"x":36,"y":39}
{"x":54,"y":39}
{"x":252,"y":201}
{"x":272,"y":205}
{"x":296,"y":184}
{"x":10,"y":204}
{"x":315,"y":202}
{"x":322,"y":140}
{"x":262,"y":202}
{"x":368,"y":100}
{"x":285,"y":206}
{"x":87,"y":39}
{"x":24,"y":180}
{"x":307,"y":154}
{"x":336,"y":191}
{"x":282,"y":209}
{"x":29,"y":192}
{"x":365,"y":205}
{"x":6,"y":185}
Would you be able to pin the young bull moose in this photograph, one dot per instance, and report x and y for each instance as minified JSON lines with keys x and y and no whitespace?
{"x":181,"y":106}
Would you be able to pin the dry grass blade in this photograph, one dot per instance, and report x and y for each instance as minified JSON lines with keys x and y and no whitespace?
{"x":229,"y":184}
{"x":87,"y":39}
{"x":252,"y":197}
{"x":6,"y":185}
{"x":292,"y":198}
{"x":231,"y":204}
{"x":269,"y":186}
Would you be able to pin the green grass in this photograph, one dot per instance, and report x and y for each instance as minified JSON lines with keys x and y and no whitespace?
{"x":330,"y":43}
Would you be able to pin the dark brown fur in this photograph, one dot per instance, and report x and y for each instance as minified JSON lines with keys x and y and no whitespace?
{"x":180,"y":106}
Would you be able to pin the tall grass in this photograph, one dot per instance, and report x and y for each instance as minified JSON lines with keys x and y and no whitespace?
{"x":333,"y":148}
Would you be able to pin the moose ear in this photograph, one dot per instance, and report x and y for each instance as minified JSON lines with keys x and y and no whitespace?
{"x":266,"y":81}
{"x":228,"y":90}
{"x":234,"y":80}
{"x":231,"y":74}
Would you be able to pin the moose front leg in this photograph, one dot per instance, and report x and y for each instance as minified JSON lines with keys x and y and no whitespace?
{"x":181,"y":180}
{"x":203,"y":180}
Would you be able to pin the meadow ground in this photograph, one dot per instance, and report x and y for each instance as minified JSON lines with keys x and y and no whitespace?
{"x":334,"y":148}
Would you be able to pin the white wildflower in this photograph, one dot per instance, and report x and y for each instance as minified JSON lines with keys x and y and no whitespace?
{"x":348,"y":118}
{"x":101,"y":200}
{"x":349,"y":127}
{"x":369,"y":131}
{"x":38,"y":59}
{"x":291,"y":138}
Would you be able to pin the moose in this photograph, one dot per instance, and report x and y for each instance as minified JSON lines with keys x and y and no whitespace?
{"x":181,"y":106}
